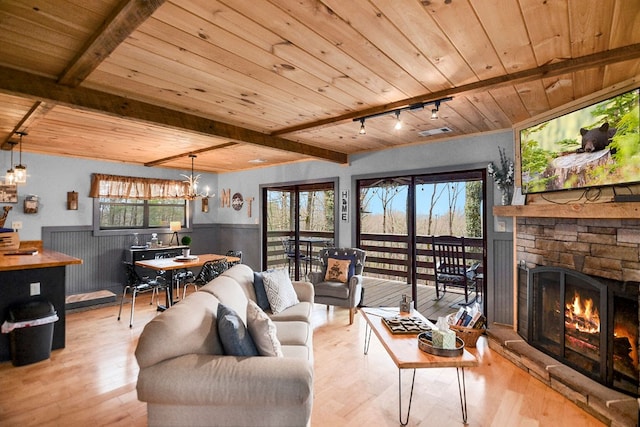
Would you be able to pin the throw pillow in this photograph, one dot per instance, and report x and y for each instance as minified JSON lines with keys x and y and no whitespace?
{"x":261,"y":294}
{"x":236,"y":340}
{"x":279,"y":288}
{"x":263,"y":331}
{"x":337,"y":270}
{"x":352,"y":265}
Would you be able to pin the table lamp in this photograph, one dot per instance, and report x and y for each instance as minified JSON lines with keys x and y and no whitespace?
{"x":175,"y":226}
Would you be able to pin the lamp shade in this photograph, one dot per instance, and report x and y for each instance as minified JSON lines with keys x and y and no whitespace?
{"x":21,"y":174}
{"x":175,"y":225}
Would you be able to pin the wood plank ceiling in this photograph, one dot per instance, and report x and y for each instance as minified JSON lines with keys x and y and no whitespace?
{"x":234,"y":81}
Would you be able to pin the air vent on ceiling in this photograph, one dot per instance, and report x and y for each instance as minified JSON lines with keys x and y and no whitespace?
{"x":432,"y":132}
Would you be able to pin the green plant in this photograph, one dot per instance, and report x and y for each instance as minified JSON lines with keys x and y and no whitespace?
{"x":186,"y":240}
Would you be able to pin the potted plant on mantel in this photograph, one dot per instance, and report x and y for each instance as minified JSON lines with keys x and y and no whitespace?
{"x":186,"y":241}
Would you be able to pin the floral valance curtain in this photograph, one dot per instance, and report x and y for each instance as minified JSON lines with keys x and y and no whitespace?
{"x":129,"y":187}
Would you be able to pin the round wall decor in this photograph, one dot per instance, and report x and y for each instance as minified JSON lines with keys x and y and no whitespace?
{"x":237,"y":201}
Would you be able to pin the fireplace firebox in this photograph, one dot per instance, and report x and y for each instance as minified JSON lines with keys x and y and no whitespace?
{"x":588,"y":323}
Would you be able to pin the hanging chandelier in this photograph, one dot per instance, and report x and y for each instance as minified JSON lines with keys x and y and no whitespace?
{"x":192,"y":182}
{"x":20,"y":169}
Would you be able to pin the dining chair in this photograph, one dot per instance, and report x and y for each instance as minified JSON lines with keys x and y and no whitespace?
{"x":136,"y":284}
{"x":233,"y":253}
{"x":209,"y":271}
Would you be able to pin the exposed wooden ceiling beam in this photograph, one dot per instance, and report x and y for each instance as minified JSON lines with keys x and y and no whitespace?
{"x":124,"y":20}
{"x":35,"y":113}
{"x":23,"y":84}
{"x":178,"y":156}
{"x":599,"y":59}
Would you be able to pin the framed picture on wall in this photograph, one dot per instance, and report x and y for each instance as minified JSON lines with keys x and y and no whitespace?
{"x":8,"y":193}
{"x":31,"y":204}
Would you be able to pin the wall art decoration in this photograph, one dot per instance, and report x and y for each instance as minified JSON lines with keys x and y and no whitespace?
{"x":237,"y":201}
{"x":8,"y":193}
{"x":31,"y":204}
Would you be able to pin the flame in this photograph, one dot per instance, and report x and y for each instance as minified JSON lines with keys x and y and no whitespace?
{"x":582,"y":315}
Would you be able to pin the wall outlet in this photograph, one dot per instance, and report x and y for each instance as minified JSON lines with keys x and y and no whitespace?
{"x":35,"y":288}
{"x":16,"y":225}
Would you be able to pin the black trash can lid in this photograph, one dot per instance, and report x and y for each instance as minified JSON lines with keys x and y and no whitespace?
{"x":35,"y":309}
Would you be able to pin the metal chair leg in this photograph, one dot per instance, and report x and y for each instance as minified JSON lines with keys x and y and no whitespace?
{"x":133,"y":304}
{"x":124,"y":294}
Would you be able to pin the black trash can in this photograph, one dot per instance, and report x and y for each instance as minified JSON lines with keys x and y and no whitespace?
{"x":32,"y":334}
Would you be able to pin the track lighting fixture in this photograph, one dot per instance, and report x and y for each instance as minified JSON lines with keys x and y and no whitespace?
{"x":398,"y":125}
{"x":434,"y":111}
{"x":397,"y":111}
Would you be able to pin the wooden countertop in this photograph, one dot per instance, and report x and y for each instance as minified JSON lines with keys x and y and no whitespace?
{"x":43,"y":259}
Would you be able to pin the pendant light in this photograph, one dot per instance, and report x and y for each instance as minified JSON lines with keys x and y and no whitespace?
{"x":20,"y":172}
{"x":10,"y":176}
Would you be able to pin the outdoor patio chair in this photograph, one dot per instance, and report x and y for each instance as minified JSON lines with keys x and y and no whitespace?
{"x":451,"y":267}
{"x":339,"y":288}
{"x":288,"y":244}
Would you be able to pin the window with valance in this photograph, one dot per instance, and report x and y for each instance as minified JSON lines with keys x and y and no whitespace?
{"x":128,"y":187}
{"x":124,"y":202}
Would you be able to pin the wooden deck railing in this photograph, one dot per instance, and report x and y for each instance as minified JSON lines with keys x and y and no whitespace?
{"x":387,"y":254}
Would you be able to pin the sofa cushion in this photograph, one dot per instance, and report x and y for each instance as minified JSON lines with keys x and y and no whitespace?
{"x":263,"y":331}
{"x":233,"y":333}
{"x":298,"y":352}
{"x":189,"y":326}
{"x":243,"y":275}
{"x":300,"y":312}
{"x":230,"y":293}
{"x":261,"y":294}
{"x":294,"y":332}
{"x":337,"y":270}
{"x":279,"y":290}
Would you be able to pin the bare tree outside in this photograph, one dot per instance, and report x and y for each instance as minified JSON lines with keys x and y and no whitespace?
{"x":454,"y":190}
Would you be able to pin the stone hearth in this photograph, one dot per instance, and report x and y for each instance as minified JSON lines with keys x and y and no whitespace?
{"x":607,"y":247}
{"x":611,"y":407}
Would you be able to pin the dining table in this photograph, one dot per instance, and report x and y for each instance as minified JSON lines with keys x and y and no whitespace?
{"x":175,"y":264}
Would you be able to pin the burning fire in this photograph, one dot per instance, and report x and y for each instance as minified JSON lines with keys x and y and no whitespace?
{"x":582,"y":316}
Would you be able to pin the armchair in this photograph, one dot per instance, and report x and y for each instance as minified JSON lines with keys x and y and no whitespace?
{"x":342,"y":294}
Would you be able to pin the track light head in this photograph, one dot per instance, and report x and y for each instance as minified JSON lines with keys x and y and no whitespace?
{"x":363,"y":131}
{"x":398,"y":125}
{"x":434,"y":111}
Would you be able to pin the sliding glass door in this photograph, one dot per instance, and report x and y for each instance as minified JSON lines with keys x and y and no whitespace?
{"x":298,"y":221}
{"x":398,"y":216}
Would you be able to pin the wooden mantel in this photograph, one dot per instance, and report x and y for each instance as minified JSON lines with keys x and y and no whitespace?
{"x":611,"y":210}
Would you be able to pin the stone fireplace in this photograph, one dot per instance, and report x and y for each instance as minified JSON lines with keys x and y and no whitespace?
{"x":590,"y":324}
{"x":578,"y":294}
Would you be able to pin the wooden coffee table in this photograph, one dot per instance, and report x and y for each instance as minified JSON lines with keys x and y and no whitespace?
{"x":404,"y":351}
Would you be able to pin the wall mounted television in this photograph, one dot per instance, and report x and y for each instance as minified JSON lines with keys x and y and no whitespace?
{"x":594,"y":145}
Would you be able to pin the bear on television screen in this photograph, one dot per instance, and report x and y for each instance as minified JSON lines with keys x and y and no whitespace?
{"x":596,"y":139}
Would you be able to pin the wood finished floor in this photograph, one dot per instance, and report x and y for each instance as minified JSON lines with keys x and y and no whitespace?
{"x":92,"y":382}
